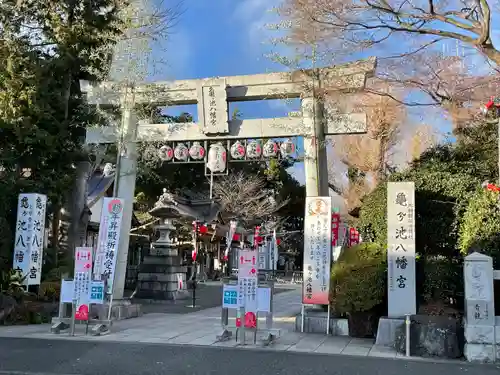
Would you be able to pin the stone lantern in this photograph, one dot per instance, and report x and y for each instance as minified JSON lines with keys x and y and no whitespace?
{"x":161,"y":275}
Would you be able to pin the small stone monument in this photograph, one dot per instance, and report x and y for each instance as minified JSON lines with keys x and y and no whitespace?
{"x":161,"y":275}
{"x":480,"y":342}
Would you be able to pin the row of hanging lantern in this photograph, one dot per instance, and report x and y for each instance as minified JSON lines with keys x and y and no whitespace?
{"x":255,"y":150}
{"x":238,"y":151}
{"x":181,"y":152}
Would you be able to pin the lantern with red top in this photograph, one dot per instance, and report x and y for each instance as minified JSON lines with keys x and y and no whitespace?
{"x":335,"y":228}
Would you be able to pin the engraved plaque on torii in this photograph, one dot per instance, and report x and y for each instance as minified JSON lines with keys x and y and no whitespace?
{"x":212,"y":106}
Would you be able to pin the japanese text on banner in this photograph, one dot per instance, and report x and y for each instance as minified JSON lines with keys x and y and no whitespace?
{"x":317,"y":250}
{"x":401,"y":248}
{"x":248,"y":272}
{"x":30,"y":233}
{"x":82,"y":282}
{"x":109,"y":240}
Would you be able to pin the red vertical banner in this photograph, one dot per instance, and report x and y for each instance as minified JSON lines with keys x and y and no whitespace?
{"x":335,"y":228}
{"x":256,"y":238}
{"x":353,"y":237}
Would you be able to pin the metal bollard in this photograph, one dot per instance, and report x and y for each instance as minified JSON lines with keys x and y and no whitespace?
{"x":73,"y":317}
{"x":408,"y":325}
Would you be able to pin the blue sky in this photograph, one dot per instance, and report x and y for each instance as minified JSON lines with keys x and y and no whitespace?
{"x":228,"y":37}
{"x":224,"y":38}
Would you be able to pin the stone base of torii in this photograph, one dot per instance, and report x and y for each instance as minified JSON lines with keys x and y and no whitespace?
{"x":314,"y":124}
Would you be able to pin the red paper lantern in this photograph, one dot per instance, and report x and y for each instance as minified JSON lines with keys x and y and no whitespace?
{"x":236,"y":237}
{"x":278,"y":241}
{"x":203,"y":229}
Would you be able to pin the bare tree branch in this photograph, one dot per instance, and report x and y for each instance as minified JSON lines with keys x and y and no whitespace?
{"x":246,"y":198}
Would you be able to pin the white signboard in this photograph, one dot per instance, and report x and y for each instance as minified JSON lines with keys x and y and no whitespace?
{"x":247,"y":282}
{"x":264,"y":255}
{"x":401,"y":248}
{"x":81,"y":284}
{"x":30,"y":234}
{"x":230,"y":298}
{"x":96,"y":292}
{"x":109,"y":240}
{"x":317,"y":251}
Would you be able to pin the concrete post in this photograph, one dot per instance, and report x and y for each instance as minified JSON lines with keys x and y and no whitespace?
{"x":480,"y":309}
{"x":315,"y":158}
{"x":125,"y":180}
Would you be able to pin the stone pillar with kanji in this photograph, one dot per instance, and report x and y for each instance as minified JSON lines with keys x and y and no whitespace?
{"x":480,"y":341}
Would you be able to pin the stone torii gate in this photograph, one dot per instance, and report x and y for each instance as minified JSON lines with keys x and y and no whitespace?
{"x":214,"y":122}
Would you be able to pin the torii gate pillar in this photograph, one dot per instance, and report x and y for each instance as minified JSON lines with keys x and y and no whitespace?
{"x":315,"y":156}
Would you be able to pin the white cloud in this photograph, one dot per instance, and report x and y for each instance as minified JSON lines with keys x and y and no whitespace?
{"x":255,"y":15}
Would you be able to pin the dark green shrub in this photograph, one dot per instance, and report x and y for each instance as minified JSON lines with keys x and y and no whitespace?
{"x":480,"y":227}
{"x":442,"y":280}
{"x":359,"y":279}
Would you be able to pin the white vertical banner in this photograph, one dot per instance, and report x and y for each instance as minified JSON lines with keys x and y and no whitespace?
{"x":109,"y":239}
{"x":317,"y":251}
{"x":232,"y":230}
{"x":248,"y":273}
{"x":274,"y":251}
{"x":37,"y":239}
{"x":23,"y":228}
{"x":82,"y":282}
{"x":401,"y":249}
{"x":100,"y":247}
{"x":29,"y":239}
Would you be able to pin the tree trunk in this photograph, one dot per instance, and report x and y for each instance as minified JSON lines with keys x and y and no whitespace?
{"x":74,"y":209}
{"x":56,"y":224}
{"x":492,"y":53}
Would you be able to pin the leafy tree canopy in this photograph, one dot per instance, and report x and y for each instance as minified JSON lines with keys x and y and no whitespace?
{"x":446,"y":178}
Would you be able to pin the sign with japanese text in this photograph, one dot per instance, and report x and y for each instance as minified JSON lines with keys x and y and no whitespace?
{"x":248,"y":273}
{"x":30,"y":234}
{"x":212,"y":107}
{"x":97,"y":292}
{"x":108,"y":242}
{"x":317,"y":250}
{"x":335,"y":228}
{"x":401,"y":248}
{"x":230,"y":296}
{"x":82,"y":282}
{"x":264,"y":256}
{"x":353,"y":237}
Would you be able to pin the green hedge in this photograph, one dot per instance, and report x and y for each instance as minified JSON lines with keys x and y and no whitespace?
{"x":480,"y":226}
{"x":440,"y":201}
{"x":359,"y":279}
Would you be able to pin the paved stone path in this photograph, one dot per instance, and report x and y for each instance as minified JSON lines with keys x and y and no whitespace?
{"x":208,"y":295}
{"x":200,"y":328}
